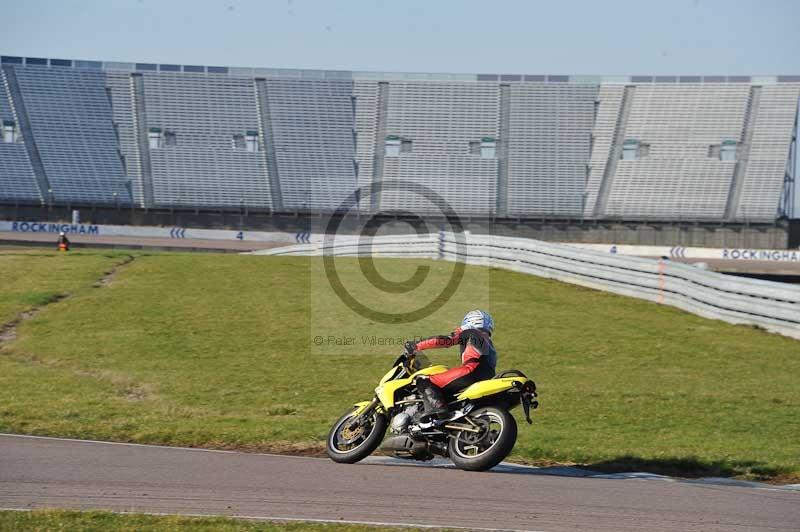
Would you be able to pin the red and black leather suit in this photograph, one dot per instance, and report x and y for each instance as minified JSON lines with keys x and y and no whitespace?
{"x":478,"y":358}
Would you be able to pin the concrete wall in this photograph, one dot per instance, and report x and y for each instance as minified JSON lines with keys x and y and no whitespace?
{"x":761,"y":236}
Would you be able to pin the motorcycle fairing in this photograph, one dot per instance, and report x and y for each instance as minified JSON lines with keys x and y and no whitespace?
{"x":386,"y":390}
{"x":360,"y":407}
{"x":489,"y":387}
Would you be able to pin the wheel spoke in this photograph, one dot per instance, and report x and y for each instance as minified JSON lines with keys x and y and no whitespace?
{"x":346,"y":439}
{"x":471,"y":445}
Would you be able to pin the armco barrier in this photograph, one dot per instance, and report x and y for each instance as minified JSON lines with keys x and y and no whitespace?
{"x":684,"y":252}
{"x":773,"y":306}
{"x":94,"y":230}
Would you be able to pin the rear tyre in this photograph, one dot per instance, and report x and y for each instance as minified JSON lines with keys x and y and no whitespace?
{"x":348,"y":444}
{"x":484,"y":450}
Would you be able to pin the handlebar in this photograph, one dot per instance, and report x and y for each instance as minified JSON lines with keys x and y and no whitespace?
{"x":402,"y":359}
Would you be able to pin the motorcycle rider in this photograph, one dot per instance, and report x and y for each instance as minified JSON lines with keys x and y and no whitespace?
{"x":63,"y":242}
{"x":478,"y":361}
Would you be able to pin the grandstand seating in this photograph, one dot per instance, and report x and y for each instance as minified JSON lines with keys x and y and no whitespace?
{"x":772,"y":134}
{"x":17,"y":181}
{"x":549,"y":147}
{"x":312,"y":127}
{"x":604,"y":133}
{"x":121,"y":90}
{"x":625,"y":147}
{"x":678,"y":178}
{"x":68,"y":115}
{"x":6,"y":114}
{"x":438,"y":122}
{"x":200,"y":165}
{"x":367,"y":100}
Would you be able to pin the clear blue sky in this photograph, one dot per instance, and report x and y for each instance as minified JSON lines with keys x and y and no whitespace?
{"x":534,"y":36}
{"x":472,"y":36}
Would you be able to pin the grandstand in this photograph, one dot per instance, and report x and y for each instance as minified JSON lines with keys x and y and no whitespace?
{"x":646,"y":148}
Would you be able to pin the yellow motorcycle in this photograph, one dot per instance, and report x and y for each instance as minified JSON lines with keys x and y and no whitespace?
{"x":477,"y":433}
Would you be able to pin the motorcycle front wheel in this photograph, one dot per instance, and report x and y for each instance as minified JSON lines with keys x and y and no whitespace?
{"x":350,"y":441}
{"x":484,"y":449}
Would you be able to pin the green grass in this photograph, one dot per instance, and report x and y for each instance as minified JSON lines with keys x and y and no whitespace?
{"x":64,"y":520}
{"x":32,"y":278}
{"x":218,"y":351}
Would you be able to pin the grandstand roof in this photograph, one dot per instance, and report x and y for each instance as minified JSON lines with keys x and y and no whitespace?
{"x":394,"y":76}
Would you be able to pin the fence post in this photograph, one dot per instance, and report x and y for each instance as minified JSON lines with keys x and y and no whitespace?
{"x":441,"y":242}
{"x":661,"y":267}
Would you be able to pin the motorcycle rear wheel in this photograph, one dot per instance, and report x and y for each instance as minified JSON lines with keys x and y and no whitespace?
{"x":348,"y":446}
{"x":482,"y":451}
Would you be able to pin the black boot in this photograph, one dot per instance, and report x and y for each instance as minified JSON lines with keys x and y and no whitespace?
{"x":432,"y":399}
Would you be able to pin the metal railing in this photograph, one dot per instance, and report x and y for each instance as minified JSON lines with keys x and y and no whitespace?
{"x":770,"y":305}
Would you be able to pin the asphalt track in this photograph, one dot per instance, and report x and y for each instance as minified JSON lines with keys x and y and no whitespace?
{"x":132,"y":242}
{"x":761,"y":267}
{"x":53,"y":473}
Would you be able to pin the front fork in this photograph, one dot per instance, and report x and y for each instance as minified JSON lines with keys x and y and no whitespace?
{"x":363,"y":411}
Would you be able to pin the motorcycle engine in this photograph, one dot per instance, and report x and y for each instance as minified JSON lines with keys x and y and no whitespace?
{"x":402,"y":420}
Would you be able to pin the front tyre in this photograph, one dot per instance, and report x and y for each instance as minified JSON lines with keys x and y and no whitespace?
{"x":350,"y":441}
{"x":482,"y":450}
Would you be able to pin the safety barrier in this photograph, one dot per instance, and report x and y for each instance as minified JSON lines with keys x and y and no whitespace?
{"x":770,"y":305}
{"x":94,"y":230}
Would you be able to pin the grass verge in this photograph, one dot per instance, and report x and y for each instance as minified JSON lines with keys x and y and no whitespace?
{"x":32,"y":278}
{"x":221,"y":351}
{"x":51,"y":520}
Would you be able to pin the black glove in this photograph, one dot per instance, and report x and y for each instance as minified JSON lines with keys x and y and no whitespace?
{"x":410,"y":347}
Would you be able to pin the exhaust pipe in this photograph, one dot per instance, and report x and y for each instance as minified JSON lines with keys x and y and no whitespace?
{"x":403,"y":446}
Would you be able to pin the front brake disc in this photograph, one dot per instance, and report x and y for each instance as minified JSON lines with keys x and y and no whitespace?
{"x":350,"y":435}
